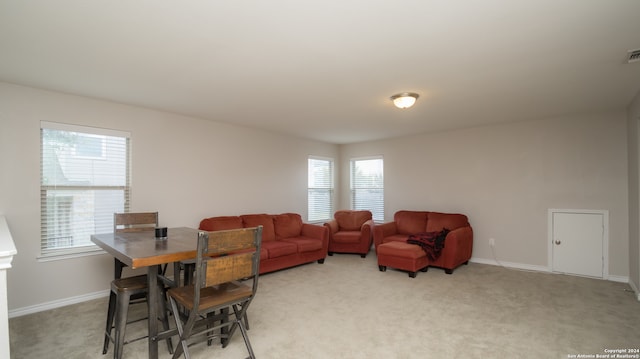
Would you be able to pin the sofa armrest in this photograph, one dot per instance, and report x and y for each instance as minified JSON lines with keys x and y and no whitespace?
{"x":459,"y":244}
{"x":383,"y":230}
{"x":366,"y":231}
{"x":368,"y":223}
{"x":316,"y":231}
{"x":332,"y":225}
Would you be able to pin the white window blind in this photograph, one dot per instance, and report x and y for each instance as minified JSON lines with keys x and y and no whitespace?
{"x":367,"y":186}
{"x":84,"y":179}
{"x":320,"y":189}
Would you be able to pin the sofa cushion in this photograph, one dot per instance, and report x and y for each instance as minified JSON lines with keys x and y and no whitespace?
{"x":305,"y":244}
{"x":351,"y":220}
{"x":437,"y":221}
{"x":410,"y":222}
{"x":221,"y":223}
{"x":347,"y":237}
{"x":277,"y":249}
{"x":287,"y":225}
{"x":264,"y":220}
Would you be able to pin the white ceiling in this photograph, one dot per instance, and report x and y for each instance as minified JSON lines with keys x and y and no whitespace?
{"x":325,"y":69}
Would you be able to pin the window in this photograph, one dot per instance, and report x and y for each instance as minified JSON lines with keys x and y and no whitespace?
{"x":320,"y":189}
{"x":367,"y":186}
{"x":84,"y":179}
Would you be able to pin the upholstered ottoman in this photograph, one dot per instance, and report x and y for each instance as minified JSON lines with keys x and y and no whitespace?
{"x":403,"y":256}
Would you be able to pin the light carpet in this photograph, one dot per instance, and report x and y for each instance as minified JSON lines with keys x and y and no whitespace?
{"x":346,"y":308}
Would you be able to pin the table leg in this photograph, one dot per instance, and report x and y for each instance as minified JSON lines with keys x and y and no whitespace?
{"x":152,"y":306}
{"x":117,"y":268}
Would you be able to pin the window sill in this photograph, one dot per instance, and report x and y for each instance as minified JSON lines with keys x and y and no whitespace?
{"x":57,"y":257}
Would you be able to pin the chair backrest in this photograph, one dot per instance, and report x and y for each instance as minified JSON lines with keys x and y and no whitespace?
{"x":227,"y":256}
{"x":352,"y":220}
{"x":135,"y":222}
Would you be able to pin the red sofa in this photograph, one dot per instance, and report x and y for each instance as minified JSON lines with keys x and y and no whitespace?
{"x":286,"y":240}
{"x":458,"y":244}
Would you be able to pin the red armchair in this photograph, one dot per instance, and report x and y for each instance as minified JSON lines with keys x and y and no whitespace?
{"x":458,"y":244}
{"x":350,"y":232}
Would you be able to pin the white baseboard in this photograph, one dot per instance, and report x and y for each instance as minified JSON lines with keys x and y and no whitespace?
{"x":57,"y":304}
{"x":618,"y":278}
{"x":511,"y":265}
{"x":635,"y":289}
{"x":545,"y":269}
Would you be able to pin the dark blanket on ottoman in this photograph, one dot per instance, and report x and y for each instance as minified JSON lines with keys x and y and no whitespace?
{"x":431,"y":243}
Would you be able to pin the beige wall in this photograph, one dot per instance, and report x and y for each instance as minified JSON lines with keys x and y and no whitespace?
{"x":505,"y":178}
{"x":183,"y":167}
{"x":634,"y":194}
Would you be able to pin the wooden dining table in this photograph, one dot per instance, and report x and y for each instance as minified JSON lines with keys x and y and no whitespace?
{"x":143,"y":250}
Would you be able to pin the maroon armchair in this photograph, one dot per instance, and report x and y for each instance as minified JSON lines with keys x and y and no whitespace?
{"x":350,"y":232}
{"x":458,"y":244}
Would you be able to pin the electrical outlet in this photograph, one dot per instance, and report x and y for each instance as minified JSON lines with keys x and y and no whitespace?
{"x":492,"y":242}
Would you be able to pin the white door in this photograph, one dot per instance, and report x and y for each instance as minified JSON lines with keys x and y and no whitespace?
{"x":577,"y":241}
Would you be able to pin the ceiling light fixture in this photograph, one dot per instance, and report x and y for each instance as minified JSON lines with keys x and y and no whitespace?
{"x":405,"y":99}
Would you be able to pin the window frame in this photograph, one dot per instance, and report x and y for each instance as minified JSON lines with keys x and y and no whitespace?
{"x":57,"y":192}
{"x":330,"y":189}
{"x":378,"y":208}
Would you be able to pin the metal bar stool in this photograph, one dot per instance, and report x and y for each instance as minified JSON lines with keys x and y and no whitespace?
{"x":129,"y":290}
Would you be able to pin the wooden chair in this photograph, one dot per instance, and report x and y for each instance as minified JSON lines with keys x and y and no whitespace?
{"x":224,"y":259}
{"x":129,"y":290}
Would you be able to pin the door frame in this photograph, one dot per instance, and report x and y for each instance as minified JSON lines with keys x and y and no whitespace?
{"x":605,"y":236}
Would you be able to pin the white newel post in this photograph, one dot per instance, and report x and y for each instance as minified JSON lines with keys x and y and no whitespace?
{"x":7,"y":251}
